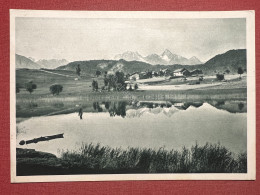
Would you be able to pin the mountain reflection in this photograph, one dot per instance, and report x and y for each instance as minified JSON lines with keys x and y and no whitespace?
{"x":137,"y":108}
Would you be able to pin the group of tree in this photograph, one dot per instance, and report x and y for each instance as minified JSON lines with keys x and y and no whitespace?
{"x":115,"y":81}
{"x":220,"y":77}
{"x":31,"y":86}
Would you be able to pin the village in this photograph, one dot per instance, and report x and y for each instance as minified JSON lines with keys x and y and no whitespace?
{"x":163,"y":76}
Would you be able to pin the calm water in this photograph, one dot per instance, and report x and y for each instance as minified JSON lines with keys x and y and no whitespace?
{"x":142,"y":124}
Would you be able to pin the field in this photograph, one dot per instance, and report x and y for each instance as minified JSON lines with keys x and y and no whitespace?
{"x":78,"y":91}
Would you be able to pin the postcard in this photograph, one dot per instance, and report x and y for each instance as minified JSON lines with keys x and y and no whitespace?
{"x":126,"y":95}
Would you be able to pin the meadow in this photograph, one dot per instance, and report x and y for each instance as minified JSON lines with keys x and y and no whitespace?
{"x":79,"y":92}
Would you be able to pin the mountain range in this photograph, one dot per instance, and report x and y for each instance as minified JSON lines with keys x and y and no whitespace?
{"x":30,"y":63}
{"x":52,"y":63}
{"x":166,"y":58}
{"x":230,"y":60}
{"x":23,"y":62}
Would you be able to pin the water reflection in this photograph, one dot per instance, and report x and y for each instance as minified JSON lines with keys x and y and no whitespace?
{"x":150,"y":124}
{"x":120,"y":108}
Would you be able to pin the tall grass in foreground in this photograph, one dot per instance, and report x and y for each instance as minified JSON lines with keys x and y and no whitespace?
{"x":199,"y":159}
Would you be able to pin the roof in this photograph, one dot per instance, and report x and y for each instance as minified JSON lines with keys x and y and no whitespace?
{"x":134,"y":73}
{"x":180,"y":70}
{"x":166,"y":69}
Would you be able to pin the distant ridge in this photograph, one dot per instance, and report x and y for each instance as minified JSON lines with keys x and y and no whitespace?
{"x":230,"y":60}
{"x":52,"y":63}
{"x":24,"y":62}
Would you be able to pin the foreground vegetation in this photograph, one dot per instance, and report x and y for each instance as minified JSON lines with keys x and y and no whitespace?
{"x":92,"y":159}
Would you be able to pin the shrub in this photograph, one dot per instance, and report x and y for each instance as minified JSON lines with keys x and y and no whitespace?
{"x":56,"y":89}
{"x":240,"y":71}
{"x":30,"y":86}
{"x":98,"y":73}
{"x":220,"y":77}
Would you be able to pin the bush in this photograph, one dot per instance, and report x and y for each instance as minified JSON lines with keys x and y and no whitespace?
{"x":56,"y":89}
{"x":220,"y":77}
{"x":30,"y":86}
{"x":136,"y":86}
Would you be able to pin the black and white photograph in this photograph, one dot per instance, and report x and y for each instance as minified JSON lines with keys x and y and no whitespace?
{"x":101,"y":95}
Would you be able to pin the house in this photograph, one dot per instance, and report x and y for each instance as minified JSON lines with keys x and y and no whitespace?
{"x":196,"y":72}
{"x":134,"y":76}
{"x":166,"y":72}
{"x":144,"y":75}
{"x":181,"y":72}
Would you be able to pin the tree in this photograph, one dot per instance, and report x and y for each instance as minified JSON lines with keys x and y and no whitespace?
{"x":98,"y":73}
{"x":136,"y":86}
{"x":30,"y":86}
{"x":240,"y":71}
{"x":94,"y":85}
{"x":120,"y":81}
{"x":56,"y":89}
{"x":78,"y":70}
{"x":105,"y":81}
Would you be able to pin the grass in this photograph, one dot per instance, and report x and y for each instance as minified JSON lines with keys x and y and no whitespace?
{"x":93,"y":159}
{"x":199,"y":159}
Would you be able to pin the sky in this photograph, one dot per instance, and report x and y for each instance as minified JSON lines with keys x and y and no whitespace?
{"x":96,"y":38}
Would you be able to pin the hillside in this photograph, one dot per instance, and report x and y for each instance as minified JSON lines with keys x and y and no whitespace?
{"x":230,"y":60}
{"x":111,"y":66}
{"x":23,"y":62}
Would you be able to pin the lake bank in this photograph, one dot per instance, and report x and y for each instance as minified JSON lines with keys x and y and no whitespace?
{"x":95,"y":159}
{"x":38,"y":105}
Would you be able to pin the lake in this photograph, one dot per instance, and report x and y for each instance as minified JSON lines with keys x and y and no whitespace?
{"x":145,"y":124}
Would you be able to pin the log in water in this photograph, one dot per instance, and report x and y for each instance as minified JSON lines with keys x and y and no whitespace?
{"x":40,"y":139}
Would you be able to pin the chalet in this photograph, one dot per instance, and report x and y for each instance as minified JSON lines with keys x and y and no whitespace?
{"x":196,"y":72}
{"x":134,"y":76}
{"x":143,"y":75}
{"x":181,"y":72}
{"x":166,"y":72}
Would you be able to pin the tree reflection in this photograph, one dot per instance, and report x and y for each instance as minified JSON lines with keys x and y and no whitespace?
{"x":97,"y":107}
{"x":240,"y":106}
{"x":114,"y":108}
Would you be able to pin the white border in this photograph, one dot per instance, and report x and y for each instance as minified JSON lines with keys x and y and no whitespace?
{"x":251,"y":100}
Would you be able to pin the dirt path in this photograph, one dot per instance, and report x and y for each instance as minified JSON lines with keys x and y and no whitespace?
{"x":175,"y":87}
{"x":58,"y":74}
